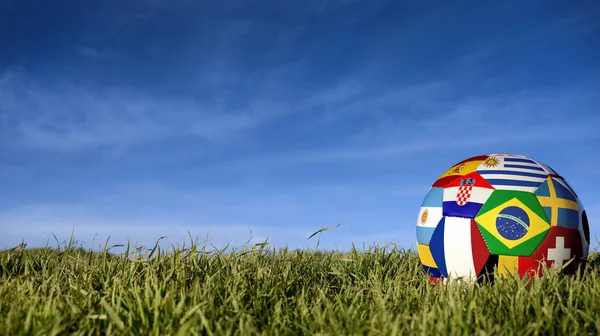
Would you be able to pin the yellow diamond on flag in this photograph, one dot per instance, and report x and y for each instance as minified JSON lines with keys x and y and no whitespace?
{"x":512,"y":223}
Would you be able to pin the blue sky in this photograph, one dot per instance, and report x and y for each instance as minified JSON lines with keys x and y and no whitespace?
{"x":143,"y":119}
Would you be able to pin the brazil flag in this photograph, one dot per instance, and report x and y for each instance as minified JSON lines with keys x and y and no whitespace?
{"x":512,"y":223}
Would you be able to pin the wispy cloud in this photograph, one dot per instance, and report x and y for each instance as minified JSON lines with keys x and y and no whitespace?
{"x":567,"y":27}
{"x":144,"y":212}
{"x":67,"y":117}
{"x":39,"y":224}
{"x":281,"y":119}
{"x":541,"y":118}
{"x":97,"y":53}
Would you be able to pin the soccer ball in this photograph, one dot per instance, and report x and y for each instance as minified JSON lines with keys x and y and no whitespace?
{"x":500,"y":210}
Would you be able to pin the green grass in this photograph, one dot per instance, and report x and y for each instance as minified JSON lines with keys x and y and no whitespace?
{"x":191,"y":291}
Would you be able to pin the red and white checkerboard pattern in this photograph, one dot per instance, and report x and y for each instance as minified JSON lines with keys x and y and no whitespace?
{"x":463,"y":195}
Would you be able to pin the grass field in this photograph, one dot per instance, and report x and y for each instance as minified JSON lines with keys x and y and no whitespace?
{"x":191,"y":291}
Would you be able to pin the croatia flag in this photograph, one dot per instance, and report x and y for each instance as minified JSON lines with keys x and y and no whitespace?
{"x":465,"y":196}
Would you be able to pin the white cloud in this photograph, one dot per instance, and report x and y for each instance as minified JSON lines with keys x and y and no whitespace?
{"x":36,"y":225}
{"x":541,"y":118}
{"x":567,"y":27}
{"x":68,"y":117}
{"x":145,"y":212}
{"x":96,"y":53}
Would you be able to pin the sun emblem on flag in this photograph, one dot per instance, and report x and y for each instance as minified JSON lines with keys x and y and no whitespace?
{"x":424,"y":216}
{"x":491,"y":162}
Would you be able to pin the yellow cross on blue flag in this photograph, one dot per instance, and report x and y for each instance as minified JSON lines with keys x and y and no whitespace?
{"x":559,"y":203}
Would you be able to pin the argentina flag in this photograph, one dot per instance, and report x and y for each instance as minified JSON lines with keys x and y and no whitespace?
{"x":429,"y":215}
{"x":512,"y":173}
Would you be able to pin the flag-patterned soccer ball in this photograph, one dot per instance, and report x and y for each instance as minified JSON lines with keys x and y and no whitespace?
{"x":502,"y":211}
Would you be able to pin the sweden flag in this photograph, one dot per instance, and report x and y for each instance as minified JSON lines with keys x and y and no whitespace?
{"x":559,"y":203}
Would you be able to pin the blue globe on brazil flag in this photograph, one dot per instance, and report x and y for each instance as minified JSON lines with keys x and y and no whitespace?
{"x":512,"y":223}
{"x":501,"y":213}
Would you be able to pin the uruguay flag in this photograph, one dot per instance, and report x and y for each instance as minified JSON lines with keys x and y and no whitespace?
{"x":464,"y":196}
{"x":512,"y":173}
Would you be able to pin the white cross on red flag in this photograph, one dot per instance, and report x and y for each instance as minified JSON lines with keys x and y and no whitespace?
{"x":560,"y":246}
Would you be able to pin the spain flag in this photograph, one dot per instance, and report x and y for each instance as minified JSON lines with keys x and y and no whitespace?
{"x":460,"y":169}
